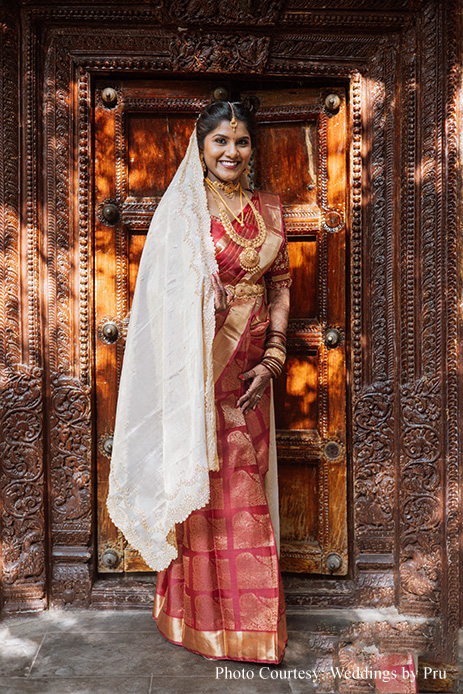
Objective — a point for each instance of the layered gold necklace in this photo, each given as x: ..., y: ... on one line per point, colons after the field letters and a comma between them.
x: 249, y: 258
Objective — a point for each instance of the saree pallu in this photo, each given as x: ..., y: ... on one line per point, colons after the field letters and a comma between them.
x: 222, y: 596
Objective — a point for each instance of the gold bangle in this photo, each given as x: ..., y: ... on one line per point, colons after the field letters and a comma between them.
x: 276, y: 333
x: 273, y: 366
x: 273, y: 373
x: 275, y: 353
x: 277, y: 345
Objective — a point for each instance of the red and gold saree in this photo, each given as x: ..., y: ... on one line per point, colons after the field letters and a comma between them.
x: 222, y: 596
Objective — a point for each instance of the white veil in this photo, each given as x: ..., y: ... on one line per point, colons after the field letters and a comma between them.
x: 165, y: 436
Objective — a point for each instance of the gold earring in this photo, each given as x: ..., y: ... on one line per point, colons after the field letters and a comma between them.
x: 203, y: 163
x: 247, y: 171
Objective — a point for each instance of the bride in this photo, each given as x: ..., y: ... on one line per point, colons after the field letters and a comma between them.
x: 193, y: 473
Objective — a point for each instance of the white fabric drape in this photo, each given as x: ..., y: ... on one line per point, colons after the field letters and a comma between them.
x: 165, y: 435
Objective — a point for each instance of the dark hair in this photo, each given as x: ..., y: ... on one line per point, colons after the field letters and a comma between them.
x: 217, y: 111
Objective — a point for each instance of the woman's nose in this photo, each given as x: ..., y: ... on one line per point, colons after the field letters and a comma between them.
x: 231, y: 150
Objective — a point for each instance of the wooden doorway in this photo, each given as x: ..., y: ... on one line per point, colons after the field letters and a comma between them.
x: 141, y: 133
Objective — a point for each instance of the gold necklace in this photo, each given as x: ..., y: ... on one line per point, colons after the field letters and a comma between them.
x: 241, y: 214
x: 249, y: 258
x: 228, y: 188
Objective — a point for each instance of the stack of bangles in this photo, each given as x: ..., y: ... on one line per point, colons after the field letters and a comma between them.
x: 275, y: 352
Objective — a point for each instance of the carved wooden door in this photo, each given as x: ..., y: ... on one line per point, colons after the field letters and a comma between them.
x: 141, y: 133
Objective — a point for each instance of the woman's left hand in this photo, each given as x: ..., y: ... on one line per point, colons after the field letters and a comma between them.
x: 260, y: 378
x: 223, y: 296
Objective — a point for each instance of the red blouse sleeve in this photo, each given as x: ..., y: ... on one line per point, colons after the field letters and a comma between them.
x: 277, y: 276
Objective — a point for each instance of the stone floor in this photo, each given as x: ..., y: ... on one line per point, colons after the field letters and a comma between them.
x: 121, y: 652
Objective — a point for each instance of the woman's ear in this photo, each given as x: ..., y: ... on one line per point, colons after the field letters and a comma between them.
x: 203, y: 163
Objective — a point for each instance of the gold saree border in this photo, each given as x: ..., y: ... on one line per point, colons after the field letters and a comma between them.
x: 252, y: 646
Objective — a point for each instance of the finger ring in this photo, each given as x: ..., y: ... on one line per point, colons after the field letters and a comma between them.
x: 258, y: 397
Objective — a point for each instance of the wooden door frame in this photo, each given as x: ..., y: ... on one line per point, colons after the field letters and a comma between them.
x: 401, y: 65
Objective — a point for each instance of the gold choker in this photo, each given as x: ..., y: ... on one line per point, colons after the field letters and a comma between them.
x: 229, y: 188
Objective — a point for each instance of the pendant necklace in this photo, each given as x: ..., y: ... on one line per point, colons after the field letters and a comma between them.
x: 249, y: 258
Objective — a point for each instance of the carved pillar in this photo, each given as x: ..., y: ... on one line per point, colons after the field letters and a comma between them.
x: 68, y: 302
x: 21, y: 419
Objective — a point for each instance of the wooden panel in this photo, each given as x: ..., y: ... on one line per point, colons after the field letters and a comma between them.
x: 156, y: 146
x: 290, y: 147
x: 303, y: 258
x: 299, y: 516
x: 297, y: 393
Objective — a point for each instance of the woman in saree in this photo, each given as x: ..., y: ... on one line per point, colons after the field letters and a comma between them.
x: 193, y: 474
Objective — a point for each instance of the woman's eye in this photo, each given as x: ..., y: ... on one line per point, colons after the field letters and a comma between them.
x: 220, y: 141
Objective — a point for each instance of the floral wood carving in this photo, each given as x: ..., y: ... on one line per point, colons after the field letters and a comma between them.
x: 421, y: 499
x: 23, y: 534
x: 71, y: 585
x: 220, y: 53
x: 70, y: 455
x: 222, y: 11
x: 374, y: 464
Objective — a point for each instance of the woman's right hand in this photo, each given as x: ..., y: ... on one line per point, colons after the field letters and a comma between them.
x: 223, y: 296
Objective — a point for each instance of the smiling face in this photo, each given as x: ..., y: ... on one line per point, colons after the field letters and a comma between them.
x: 227, y: 152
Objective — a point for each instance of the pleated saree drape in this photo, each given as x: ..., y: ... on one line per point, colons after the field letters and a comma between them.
x: 222, y: 597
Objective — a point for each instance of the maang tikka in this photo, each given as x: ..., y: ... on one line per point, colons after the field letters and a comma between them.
x: 233, y: 122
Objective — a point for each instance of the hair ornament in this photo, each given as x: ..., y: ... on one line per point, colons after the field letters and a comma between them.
x: 233, y: 122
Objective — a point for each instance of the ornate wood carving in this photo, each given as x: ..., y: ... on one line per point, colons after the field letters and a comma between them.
x: 10, y: 345
x: 422, y: 443
x: 356, y: 232
x: 374, y: 479
x: 408, y: 210
x: 372, y: 21
x: 261, y: 12
x: 71, y: 585
x: 369, y: 5
x: 381, y: 214
x: 70, y: 490
x: 294, y: 47
x: 84, y: 225
x: 421, y: 499
x: 452, y: 530
x: 21, y: 424
x: 23, y: 526
x: 181, y: 13
x: 219, y: 53
x: 404, y: 197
